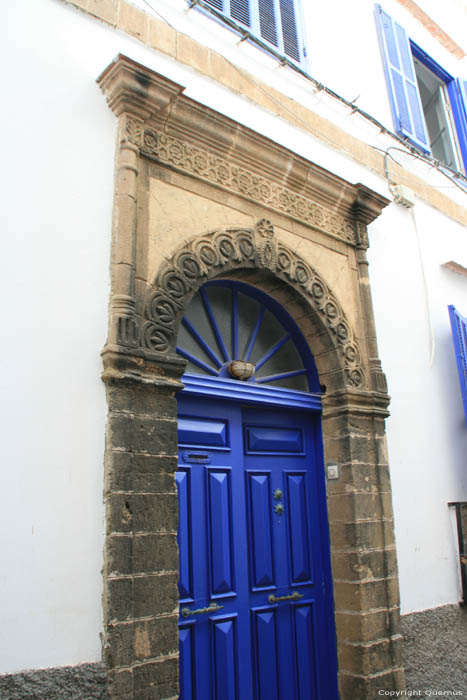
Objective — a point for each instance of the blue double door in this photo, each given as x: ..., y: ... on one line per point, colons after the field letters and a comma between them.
x: 256, y: 620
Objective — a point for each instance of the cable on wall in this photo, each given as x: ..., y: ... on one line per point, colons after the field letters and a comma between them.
x: 453, y: 175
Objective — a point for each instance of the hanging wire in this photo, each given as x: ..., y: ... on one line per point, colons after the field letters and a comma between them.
x: 452, y: 175
x: 426, y: 293
x: 156, y: 12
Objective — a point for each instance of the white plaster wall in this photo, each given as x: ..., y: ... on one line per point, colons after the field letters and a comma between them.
x: 427, y: 436
x: 57, y: 180
x: 56, y: 184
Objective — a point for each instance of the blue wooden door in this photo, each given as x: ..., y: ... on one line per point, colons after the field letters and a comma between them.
x: 256, y: 617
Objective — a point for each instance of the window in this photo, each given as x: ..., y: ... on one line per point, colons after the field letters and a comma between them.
x: 459, y: 337
x: 231, y: 330
x: 277, y: 23
x: 428, y: 104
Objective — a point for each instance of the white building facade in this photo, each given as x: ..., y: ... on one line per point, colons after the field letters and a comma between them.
x: 335, y: 101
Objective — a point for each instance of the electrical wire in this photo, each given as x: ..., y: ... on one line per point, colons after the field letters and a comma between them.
x: 452, y: 175
x: 426, y: 293
x: 158, y: 14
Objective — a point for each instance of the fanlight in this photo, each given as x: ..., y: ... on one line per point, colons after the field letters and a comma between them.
x: 233, y: 331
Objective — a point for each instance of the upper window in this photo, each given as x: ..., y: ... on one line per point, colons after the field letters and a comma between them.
x: 428, y: 104
x: 275, y: 22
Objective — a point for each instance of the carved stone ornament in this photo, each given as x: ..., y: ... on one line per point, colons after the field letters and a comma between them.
x: 219, y: 252
x: 207, y: 166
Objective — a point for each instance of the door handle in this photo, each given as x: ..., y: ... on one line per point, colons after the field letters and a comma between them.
x: 213, y: 606
x: 292, y: 596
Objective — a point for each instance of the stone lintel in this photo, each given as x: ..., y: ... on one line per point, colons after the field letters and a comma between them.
x: 133, y: 88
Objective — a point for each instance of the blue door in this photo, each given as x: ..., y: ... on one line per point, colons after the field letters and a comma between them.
x: 256, y: 620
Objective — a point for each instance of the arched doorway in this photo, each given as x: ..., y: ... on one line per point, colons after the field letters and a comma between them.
x: 256, y: 614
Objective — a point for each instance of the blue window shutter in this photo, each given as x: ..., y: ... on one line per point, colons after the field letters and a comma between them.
x: 401, y: 80
x: 459, y: 336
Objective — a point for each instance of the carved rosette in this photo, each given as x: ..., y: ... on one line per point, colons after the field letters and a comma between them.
x: 221, y: 251
x: 205, y: 165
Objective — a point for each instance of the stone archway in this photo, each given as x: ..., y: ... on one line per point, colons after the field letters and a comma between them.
x: 225, y: 251
x: 141, y: 456
x: 157, y: 142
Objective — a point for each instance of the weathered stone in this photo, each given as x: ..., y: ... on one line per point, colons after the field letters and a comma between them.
x: 119, y: 554
x: 141, y: 434
x: 120, y: 683
x: 371, y: 657
x: 353, y: 507
x: 118, y: 650
x: 119, y: 599
x: 155, y: 595
x: 157, y: 676
x: 142, y: 473
x: 361, y: 535
x: 154, y: 513
x: 364, y: 627
x: 368, y: 564
x: 156, y: 637
x: 366, y: 595
x: 363, y: 478
x: 155, y: 553
x: 140, y: 399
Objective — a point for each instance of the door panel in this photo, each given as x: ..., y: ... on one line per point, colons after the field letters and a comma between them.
x: 254, y: 621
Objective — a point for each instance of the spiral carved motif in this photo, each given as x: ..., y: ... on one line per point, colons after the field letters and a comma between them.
x: 221, y: 251
x: 207, y: 166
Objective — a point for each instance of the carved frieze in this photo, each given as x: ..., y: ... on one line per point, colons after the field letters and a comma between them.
x: 221, y: 251
x: 200, y: 163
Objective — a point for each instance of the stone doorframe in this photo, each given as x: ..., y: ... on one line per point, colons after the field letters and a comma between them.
x: 158, y: 125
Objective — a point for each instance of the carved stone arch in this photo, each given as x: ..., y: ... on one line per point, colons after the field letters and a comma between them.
x: 224, y: 251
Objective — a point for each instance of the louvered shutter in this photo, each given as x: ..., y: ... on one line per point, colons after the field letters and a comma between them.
x: 267, y: 21
x: 401, y: 80
x: 459, y: 336
x: 217, y: 4
x: 276, y: 22
x: 240, y: 10
x: 290, y: 34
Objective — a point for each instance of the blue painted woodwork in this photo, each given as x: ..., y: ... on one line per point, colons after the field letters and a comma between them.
x: 254, y: 525
x: 401, y: 80
x: 196, y: 385
x: 202, y: 431
x: 225, y: 659
x: 457, y: 90
x: 274, y: 342
x: 459, y: 337
x: 398, y: 51
x: 260, y: 439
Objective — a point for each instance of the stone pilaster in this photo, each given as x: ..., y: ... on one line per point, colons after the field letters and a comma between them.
x: 366, y: 589
x: 141, y: 553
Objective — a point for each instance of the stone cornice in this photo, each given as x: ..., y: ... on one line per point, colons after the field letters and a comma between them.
x: 178, y: 131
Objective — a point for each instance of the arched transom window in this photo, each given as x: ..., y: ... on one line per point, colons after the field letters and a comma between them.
x: 231, y: 330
